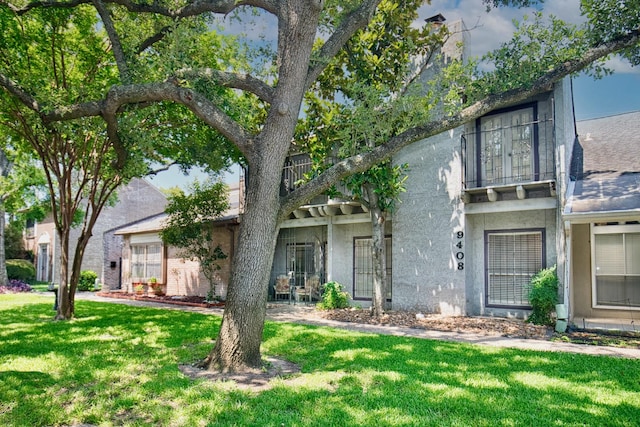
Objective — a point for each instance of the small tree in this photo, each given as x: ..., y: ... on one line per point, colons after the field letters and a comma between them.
x: 543, y: 296
x: 190, y: 226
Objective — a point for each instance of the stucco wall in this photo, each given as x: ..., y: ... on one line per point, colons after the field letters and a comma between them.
x: 476, y: 227
x: 342, y: 256
x: 425, y: 269
x: 338, y: 250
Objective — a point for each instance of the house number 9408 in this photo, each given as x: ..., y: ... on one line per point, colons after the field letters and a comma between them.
x: 460, y: 253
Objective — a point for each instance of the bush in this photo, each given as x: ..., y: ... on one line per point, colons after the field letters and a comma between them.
x: 14, y: 286
x: 333, y: 297
x: 543, y: 296
x: 87, y: 280
x: 20, y: 269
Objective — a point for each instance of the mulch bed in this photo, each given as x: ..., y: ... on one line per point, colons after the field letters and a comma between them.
x: 513, y: 328
x: 193, y: 301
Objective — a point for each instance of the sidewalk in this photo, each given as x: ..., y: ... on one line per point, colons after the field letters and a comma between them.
x: 304, y: 314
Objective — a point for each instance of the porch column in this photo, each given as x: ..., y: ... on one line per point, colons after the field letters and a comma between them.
x: 329, y: 275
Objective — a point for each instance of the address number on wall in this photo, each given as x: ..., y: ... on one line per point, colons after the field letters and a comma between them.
x: 460, y: 253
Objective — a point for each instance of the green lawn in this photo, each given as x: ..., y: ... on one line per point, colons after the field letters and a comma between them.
x: 118, y: 365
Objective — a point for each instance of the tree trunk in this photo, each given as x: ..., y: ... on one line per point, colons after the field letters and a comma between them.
x: 378, y: 253
x: 238, y: 345
x: 5, y: 170
x: 65, y: 304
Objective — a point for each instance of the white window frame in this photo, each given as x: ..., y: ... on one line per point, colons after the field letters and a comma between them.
x: 601, y: 230
x: 146, y: 240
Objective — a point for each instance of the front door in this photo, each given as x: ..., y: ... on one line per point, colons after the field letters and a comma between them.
x: 43, y: 263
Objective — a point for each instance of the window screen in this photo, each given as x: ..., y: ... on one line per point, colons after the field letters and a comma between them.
x: 617, y: 268
x: 512, y: 259
x: 146, y: 261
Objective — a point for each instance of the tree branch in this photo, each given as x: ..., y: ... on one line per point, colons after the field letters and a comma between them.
x: 150, y: 41
x: 354, y: 21
x: 362, y: 162
x: 191, y: 9
x: 14, y: 89
x: 120, y: 96
x: 118, y: 52
x: 244, y: 82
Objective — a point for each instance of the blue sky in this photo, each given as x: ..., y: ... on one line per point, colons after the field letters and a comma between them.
x: 611, y: 95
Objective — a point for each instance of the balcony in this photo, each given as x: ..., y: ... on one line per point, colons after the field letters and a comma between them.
x: 508, y: 162
x: 294, y: 171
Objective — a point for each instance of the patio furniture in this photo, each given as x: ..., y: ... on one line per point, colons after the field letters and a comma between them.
x: 311, y: 289
x: 282, y: 287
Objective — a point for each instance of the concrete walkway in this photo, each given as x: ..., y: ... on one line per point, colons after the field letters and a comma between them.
x: 305, y: 315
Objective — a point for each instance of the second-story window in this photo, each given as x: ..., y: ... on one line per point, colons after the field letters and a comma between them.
x: 506, y: 147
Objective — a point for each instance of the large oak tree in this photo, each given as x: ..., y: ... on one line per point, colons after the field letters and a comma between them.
x: 522, y: 71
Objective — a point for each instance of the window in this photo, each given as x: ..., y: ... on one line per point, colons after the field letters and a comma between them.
x: 30, y: 229
x: 506, y: 147
x: 146, y: 260
x: 363, y: 268
x: 616, y: 266
x: 512, y: 258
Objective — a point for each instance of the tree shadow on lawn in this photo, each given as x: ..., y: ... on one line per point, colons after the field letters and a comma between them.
x: 120, y: 364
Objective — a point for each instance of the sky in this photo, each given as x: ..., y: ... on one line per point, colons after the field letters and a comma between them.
x: 615, y: 94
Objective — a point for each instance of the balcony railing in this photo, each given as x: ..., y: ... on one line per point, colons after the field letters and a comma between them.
x: 294, y: 170
x: 508, y: 156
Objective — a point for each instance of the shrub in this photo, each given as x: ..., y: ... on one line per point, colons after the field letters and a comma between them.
x: 14, y: 286
x: 333, y: 297
x: 87, y: 280
x: 20, y: 269
x: 543, y: 296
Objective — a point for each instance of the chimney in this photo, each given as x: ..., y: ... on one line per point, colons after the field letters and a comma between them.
x: 436, y: 20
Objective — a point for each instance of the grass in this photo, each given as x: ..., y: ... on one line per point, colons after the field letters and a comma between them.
x: 118, y: 365
x: 40, y: 286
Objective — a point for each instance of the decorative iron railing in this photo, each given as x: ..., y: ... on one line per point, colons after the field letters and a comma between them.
x: 508, y: 155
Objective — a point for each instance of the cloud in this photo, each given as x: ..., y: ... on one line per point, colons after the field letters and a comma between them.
x: 487, y: 31
x: 619, y: 65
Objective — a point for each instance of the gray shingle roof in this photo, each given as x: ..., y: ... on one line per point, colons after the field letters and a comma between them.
x: 606, y: 165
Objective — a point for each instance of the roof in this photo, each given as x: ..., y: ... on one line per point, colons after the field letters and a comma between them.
x: 154, y: 224
x: 147, y: 225
x: 605, y: 167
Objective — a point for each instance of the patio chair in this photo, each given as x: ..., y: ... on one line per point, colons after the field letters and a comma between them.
x: 282, y: 287
x: 311, y: 289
